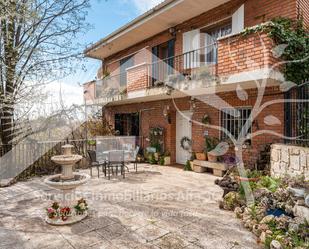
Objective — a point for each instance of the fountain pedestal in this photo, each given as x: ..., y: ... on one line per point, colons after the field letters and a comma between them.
x: 67, y: 182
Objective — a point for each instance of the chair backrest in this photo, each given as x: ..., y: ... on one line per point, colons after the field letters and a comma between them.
x: 92, y: 155
x: 116, y: 156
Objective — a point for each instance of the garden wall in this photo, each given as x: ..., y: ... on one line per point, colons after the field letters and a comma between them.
x: 289, y: 160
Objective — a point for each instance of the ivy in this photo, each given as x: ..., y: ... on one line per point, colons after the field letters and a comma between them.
x: 292, y: 46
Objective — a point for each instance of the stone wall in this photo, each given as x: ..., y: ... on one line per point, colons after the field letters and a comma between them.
x: 289, y: 160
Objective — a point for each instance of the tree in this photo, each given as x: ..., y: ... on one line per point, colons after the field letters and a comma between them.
x: 37, y: 45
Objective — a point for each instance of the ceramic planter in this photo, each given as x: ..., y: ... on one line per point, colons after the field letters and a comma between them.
x: 211, y: 157
x: 200, y: 156
x: 167, y: 160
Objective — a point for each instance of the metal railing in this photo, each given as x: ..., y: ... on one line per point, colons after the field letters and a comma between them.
x: 186, y: 64
x: 34, y: 157
x: 111, y: 85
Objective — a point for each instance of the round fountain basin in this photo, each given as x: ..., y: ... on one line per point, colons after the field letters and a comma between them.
x: 57, y: 182
x: 66, y: 159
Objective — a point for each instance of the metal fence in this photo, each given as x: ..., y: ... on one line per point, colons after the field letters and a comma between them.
x: 34, y: 157
x: 297, y: 115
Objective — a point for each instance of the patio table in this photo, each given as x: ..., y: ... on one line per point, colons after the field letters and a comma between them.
x: 103, y: 157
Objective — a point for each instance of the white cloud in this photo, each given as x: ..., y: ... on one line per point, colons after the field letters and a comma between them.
x: 144, y: 5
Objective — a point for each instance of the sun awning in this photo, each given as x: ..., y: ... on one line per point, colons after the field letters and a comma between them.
x: 162, y: 17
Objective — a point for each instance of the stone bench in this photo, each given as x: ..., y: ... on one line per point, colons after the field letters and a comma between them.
x: 218, y: 168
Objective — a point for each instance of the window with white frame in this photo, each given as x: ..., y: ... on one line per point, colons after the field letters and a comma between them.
x: 211, y: 37
x: 234, y: 120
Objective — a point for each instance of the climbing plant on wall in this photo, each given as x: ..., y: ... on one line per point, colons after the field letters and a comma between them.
x: 292, y: 46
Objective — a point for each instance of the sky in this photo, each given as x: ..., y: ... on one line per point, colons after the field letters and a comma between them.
x: 105, y: 16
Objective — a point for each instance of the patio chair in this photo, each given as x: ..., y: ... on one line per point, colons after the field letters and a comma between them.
x: 115, y: 160
x: 135, y: 153
x: 94, y: 163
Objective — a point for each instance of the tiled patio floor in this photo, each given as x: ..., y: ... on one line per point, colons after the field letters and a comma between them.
x: 158, y: 207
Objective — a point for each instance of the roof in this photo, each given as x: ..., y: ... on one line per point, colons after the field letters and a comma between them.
x: 167, y: 14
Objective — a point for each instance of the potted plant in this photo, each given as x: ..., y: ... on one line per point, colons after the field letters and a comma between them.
x: 192, y: 158
x: 167, y: 158
x: 210, y: 144
x: 206, y: 119
x: 201, y: 156
x: 81, y: 207
x: 187, y: 166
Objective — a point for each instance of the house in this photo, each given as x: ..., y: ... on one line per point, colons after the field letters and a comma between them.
x: 185, y: 61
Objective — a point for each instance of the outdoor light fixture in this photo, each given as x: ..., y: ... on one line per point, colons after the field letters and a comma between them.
x: 172, y: 31
x: 192, y: 104
x: 167, y: 114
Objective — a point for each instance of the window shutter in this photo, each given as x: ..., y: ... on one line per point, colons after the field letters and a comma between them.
x: 155, y: 54
x: 171, y: 54
x: 238, y: 20
x: 191, y: 44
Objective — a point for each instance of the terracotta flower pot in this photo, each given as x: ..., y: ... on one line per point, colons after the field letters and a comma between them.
x: 200, y: 156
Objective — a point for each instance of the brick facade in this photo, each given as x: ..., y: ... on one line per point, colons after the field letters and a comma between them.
x: 236, y: 54
x: 151, y: 114
x: 256, y: 12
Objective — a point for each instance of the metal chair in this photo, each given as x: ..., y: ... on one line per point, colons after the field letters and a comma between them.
x: 115, y: 160
x: 94, y: 163
x: 135, y: 153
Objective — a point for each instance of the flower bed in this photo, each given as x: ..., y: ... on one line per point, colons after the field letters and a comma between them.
x: 272, y: 217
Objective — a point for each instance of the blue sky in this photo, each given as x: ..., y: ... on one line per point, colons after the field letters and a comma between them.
x: 105, y: 16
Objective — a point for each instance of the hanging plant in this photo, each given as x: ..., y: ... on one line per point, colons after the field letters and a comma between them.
x: 206, y: 119
x: 186, y: 143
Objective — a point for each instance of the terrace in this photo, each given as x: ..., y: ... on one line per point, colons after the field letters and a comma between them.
x: 148, y: 209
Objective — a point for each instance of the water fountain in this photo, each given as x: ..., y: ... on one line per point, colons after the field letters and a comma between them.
x: 67, y: 182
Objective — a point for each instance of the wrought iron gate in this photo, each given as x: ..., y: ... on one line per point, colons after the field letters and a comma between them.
x: 297, y: 115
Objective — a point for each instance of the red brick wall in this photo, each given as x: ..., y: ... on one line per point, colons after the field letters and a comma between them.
x: 259, y: 11
x: 137, y: 77
x: 152, y: 116
x: 238, y: 54
x: 256, y: 11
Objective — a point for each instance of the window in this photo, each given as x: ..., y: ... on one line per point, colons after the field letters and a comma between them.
x: 211, y: 37
x: 124, y: 64
x: 163, y: 60
x: 127, y: 124
x: 234, y: 120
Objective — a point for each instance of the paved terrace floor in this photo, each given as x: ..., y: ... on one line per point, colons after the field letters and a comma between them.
x: 158, y: 207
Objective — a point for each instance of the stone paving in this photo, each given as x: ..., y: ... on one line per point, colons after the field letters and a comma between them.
x: 158, y: 207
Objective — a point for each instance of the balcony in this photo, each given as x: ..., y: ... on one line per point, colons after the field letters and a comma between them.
x: 221, y: 66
